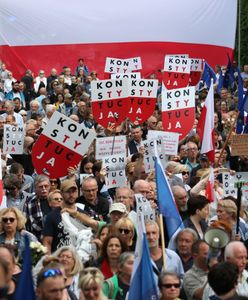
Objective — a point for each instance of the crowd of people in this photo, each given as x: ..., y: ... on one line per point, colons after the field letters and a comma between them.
x: 89, y: 232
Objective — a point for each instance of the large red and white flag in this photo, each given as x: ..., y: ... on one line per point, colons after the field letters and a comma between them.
x: 45, y: 34
x: 205, y: 127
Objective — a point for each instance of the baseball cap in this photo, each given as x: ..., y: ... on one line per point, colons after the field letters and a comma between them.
x: 67, y: 184
x: 118, y: 207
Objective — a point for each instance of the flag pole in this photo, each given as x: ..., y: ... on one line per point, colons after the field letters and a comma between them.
x: 227, y: 139
x: 161, y: 222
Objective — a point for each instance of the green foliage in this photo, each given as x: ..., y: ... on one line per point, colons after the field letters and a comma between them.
x: 243, y: 34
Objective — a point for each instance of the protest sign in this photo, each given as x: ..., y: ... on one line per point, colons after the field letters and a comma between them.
x: 143, y: 97
x: 115, y: 171
x: 178, y: 110
x: 196, y: 68
x: 169, y: 140
x: 61, y: 144
x: 110, y: 103
x: 229, y: 182
x: 134, y: 75
x: 143, y: 206
x: 176, y: 72
x: 149, y: 153
x: 111, y: 146
x: 239, y: 144
x: 13, y: 139
x: 118, y: 65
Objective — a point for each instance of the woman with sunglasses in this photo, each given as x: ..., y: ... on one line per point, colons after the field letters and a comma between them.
x: 91, y: 284
x: 117, y: 286
x: 169, y: 285
x: 54, y: 184
x: 126, y: 229
x: 183, y: 172
x: 12, y: 224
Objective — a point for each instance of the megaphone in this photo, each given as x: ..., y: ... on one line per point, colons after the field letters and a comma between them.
x: 216, y: 238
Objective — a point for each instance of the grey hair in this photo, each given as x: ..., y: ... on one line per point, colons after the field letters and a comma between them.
x: 231, y: 247
x: 124, y: 257
x: 40, y: 178
x: 188, y: 230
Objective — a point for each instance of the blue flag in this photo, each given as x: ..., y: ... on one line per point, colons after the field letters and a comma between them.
x: 241, y: 127
x: 208, y: 74
x: 220, y: 83
x: 229, y: 77
x: 166, y: 203
x: 143, y: 284
x: 25, y: 287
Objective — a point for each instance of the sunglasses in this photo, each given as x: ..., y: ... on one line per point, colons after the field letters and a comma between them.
x: 170, y: 285
x: 8, y: 220
x: 51, y: 273
x: 53, y: 181
x: 124, y: 230
x: 185, y: 173
x: 57, y: 199
x: 91, y: 271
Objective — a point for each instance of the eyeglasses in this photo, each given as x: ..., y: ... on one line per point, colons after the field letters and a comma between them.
x: 57, y: 199
x: 8, y: 220
x: 124, y: 230
x: 65, y: 257
x: 23, y: 115
x: 170, y: 285
x: 185, y: 173
x: 51, y: 273
x: 192, y: 149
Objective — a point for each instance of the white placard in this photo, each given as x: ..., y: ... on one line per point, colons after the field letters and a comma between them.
x: 115, y: 171
x: 149, y: 155
x: 134, y: 75
x: 170, y: 140
x: 196, y: 65
x: 143, y: 206
x: 13, y: 139
x: 119, y: 65
x: 109, y: 89
x: 177, y: 64
x: 178, y: 98
x: 146, y: 88
x: 230, y: 180
x: 69, y: 133
x: 104, y: 146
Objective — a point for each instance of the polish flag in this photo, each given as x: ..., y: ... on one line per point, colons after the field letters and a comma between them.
x: 205, y: 127
x: 45, y: 34
x: 210, y: 194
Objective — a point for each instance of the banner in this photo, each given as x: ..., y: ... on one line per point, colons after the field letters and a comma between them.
x: 111, y: 146
x: 110, y: 103
x: 178, y: 110
x: 61, y: 144
x: 229, y: 182
x: 118, y: 65
x: 115, y: 171
x: 176, y: 72
x: 13, y: 139
x: 143, y: 98
x: 34, y: 41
